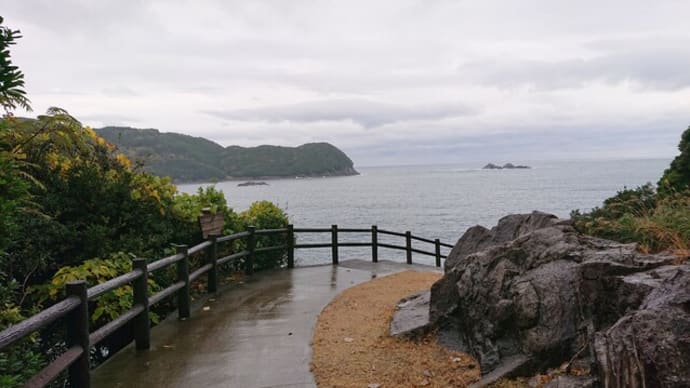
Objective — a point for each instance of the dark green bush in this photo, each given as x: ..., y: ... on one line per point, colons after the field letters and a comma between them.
x: 613, y: 219
x: 655, y: 219
x: 677, y: 177
x: 24, y: 359
x: 266, y: 215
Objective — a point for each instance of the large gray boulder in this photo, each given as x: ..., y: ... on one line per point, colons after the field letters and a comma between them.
x: 509, y: 228
x: 533, y: 293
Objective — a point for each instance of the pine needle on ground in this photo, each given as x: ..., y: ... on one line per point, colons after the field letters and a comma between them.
x: 351, y: 346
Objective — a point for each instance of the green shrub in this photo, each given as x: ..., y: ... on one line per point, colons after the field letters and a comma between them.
x: 266, y: 215
x: 23, y: 360
x: 656, y: 222
x: 14, y: 192
x: 613, y: 219
x: 677, y: 177
x: 668, y: 226
x: 188, y: 208
x: 95, y: 271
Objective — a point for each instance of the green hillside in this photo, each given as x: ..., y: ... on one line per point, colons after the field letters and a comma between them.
x: 188, y: 158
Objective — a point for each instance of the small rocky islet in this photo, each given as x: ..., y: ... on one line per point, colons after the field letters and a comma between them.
x: 507, y: 166
x: 252, y: 183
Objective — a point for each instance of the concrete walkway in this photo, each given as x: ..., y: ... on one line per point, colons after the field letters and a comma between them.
x: 256, y: 334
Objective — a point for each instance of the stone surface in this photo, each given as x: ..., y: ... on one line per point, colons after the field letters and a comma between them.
x: 571, y: 382
x: 411, y: 316
x: 651, y: 344
x: 509, y: 228
x: 532, y: 288
x: 510, y: 367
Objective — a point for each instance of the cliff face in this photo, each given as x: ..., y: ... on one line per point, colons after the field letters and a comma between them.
x: 187, y: 158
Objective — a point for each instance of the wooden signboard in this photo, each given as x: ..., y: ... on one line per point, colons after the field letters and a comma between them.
x: 211, y: 224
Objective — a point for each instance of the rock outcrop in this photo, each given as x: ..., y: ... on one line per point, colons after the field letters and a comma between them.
x: 411, y: 315
x: 507, y: 166
x: 252, y: 183
x: 533, y: 293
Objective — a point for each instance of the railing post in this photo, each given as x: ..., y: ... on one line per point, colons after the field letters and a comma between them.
x: 408, y: 245
x: 374, y: 243
x: 212, y: 258
x: 334, y: 243
x: 183, y: 298
x: 438, y: 252
x: 290, y: 246
x: 78, y: 335
x: 251, y: 246
x: 142, y: 326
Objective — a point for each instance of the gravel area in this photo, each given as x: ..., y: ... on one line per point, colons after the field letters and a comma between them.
x: 351, y: 346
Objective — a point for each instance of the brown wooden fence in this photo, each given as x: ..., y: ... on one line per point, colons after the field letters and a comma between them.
x: 74, y: 308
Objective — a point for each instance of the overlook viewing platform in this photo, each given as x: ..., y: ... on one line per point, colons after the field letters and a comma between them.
x: 252, y: 333
x: 256, y: 334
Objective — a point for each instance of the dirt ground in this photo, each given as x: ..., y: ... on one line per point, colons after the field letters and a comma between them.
x: 351, y: 346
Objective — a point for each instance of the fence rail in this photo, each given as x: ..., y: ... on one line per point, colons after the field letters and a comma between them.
x: 74, y: 309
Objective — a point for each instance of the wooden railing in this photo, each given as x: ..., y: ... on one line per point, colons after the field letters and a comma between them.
x: 74, y: 308
x: 374, y: 243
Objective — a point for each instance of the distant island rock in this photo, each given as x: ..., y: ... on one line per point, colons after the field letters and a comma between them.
x: 507, y: 166
x: 252, y: 183
x: 186, y: 158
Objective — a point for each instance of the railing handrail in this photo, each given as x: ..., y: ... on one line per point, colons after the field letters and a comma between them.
x: 74, y: 308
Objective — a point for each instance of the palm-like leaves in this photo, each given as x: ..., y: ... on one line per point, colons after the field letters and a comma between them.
x: 12, y: 93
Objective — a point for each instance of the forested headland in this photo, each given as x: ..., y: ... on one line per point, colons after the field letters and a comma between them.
x: 186, y: 158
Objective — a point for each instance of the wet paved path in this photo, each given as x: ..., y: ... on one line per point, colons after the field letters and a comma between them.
x: 256, y: 334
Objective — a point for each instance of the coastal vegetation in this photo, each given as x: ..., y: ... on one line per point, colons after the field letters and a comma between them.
x: 186, y: 158
x: 656, y: 217
x: 73, y: 207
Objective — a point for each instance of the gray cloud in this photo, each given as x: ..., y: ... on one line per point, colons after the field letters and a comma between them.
x: 439, y: 80
x: 650, y: 67
x: 119, y: 91
x: 109, y: 119
x: 366, y: 113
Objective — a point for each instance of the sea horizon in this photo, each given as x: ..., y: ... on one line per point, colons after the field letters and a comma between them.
x: 442, y: 200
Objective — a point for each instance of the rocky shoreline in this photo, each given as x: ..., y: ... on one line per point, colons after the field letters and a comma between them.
x: 533, y: 294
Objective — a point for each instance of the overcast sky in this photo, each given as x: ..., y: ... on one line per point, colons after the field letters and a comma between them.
x: 389, y: 82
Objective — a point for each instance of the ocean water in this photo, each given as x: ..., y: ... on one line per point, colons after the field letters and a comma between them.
x: 437, y: 201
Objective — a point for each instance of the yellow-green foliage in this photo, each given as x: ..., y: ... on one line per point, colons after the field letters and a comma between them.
x: 657, y: 220
x: 662, y: 224
x: 90, y: 202
x: 188, y: 207
x: 266, y: 215
x: 95, y: 271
